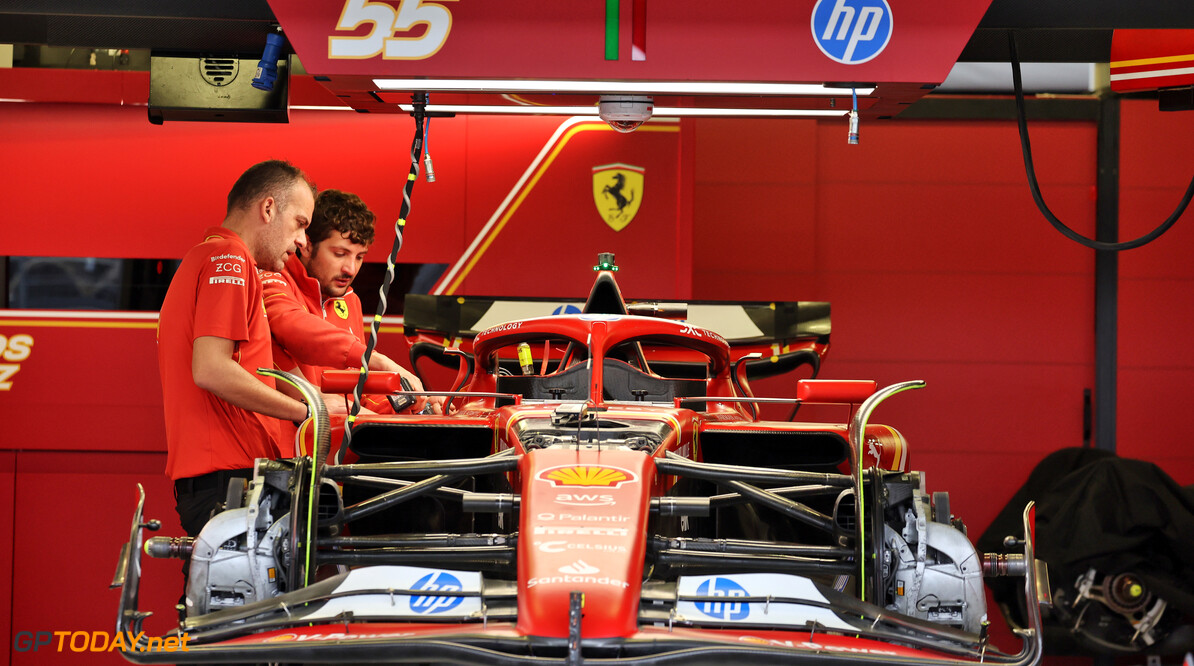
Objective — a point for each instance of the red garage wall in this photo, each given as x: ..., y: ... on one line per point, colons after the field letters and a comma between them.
x: 924, y: 238
x: 1156, y: 290
x: 926, y: 241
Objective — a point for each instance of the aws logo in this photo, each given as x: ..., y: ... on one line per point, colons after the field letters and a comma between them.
x: 588, y: 476
x: 414, y: 30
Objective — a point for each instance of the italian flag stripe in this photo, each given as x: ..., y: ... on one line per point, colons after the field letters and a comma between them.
x: 611, y: 29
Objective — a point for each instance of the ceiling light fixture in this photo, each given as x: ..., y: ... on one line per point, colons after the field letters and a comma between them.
x: 660, y: 111
x: 628, y: 87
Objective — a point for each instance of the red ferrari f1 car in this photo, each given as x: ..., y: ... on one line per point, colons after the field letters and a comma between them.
x: 602, y: 490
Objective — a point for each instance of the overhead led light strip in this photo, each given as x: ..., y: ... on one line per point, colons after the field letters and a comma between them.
x: 660, y: 111
x: 627, y: 87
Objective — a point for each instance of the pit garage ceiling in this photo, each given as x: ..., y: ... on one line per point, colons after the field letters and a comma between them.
x: 1048, y: 31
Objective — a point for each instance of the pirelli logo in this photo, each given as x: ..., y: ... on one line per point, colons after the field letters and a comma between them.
x: 225, y: 279
x: 588, y: 476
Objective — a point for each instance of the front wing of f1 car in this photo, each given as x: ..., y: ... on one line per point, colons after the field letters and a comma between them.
x: 408, y: 614
x: 592, y: 507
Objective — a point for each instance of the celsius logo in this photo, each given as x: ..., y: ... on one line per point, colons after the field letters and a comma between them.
x: 439, y: 581
x: 851, y: 31
x: 722, y: 610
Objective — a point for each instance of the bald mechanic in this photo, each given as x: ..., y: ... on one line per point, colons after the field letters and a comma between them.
x: 315, y: 317
x: 213, y: 335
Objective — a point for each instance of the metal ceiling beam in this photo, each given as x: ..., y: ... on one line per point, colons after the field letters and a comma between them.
x: 1067, y: 30
x: 226, y: 26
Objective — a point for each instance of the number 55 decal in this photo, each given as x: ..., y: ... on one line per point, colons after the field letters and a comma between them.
x: 386, y: 23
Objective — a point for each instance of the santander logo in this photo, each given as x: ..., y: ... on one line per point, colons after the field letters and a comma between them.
x: 579, y: 567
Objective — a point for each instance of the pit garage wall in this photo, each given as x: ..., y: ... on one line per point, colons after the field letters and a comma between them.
x: 939, y: 267
x: 923, y: 237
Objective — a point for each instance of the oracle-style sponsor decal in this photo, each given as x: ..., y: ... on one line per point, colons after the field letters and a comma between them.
x: 509, y: 326
x: 587, y: 476
x: 402, y: 30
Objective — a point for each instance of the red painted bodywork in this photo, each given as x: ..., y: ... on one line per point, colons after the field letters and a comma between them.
x: 584, y: 518
x: 1151, y: 59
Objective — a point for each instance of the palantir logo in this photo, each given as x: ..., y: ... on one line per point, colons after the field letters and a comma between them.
x: 852, y: 31
x: 722, y: 610
x: 438, y: 581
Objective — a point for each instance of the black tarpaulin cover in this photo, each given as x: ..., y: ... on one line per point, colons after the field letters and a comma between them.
x: 1097, y: 510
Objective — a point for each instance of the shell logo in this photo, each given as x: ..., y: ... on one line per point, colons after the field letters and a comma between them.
x: 600, y: 476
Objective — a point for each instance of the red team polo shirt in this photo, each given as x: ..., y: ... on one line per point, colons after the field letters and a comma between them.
x: 214, y: 292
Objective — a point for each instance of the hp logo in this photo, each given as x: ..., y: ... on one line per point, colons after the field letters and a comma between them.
x: 722, y: 610
x: 566, y: 309
x: 851, y: 31
x: 439, y: 581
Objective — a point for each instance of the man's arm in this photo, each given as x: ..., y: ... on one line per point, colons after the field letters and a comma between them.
x: 214, y: 370
x: 306, y: 336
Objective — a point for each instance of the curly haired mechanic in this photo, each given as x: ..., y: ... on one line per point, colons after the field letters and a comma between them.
x: 314, y: 316
x: 213, y: 335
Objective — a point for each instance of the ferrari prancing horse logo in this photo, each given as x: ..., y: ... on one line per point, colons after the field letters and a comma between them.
x: 341, y: 309
x: 618, y: 193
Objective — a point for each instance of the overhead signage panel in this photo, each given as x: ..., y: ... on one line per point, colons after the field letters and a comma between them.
x: 664, y: 40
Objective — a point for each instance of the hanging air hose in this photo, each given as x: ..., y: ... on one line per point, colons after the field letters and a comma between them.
x: 1069, y: 233
x: 420, y: 115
